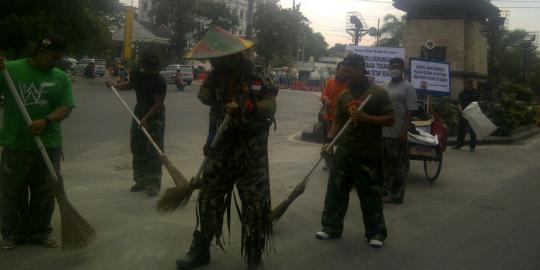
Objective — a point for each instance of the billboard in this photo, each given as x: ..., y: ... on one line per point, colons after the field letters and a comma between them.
x: 430, y: 77
x: 377, y: 59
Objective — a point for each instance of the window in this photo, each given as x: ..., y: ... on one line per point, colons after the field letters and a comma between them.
x: 145, y: 6
x: 242, y: 14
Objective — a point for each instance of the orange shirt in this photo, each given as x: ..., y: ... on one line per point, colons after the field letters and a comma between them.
x: 330, y: 94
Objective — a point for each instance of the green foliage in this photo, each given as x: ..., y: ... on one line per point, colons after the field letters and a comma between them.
x: 279, y: 33
x: 338, y: 50
x: 511, y: 107
x: 185, y: 15
x: 447, y: 110
x: 392, y: 31
x: 83, y: 23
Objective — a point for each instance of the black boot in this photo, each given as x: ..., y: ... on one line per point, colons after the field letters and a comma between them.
x: 253, y: 253
x: 199, y: 253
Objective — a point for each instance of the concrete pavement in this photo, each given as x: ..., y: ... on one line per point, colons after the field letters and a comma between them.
x: 482, y: 213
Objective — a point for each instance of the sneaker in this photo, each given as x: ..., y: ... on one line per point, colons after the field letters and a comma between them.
x: 324, y: 236
x: 374, y: 243
x: 472, y: 150
x: 48, y: 242
x: 152, y: 191
x: 8, y: 244
x: 456, y: 147
x: 137, y: 188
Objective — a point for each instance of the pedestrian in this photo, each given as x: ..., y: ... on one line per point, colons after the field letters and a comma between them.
x: 358, y: 158
x: 247, y: 94
x: 396, y: 153
x: 150, y: 90
x: 179, y: 80
x: 26, y: 189
x: 466, y: 97
x: 329, y: 96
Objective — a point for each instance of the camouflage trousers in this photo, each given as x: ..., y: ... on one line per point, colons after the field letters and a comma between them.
x: 365, y: 174
x: 26, y: 193
x: 395, y: 167
x: 242, y: 162
x: 146, y: 163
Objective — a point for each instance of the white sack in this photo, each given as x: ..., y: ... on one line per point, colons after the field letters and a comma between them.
x: 478, y: 121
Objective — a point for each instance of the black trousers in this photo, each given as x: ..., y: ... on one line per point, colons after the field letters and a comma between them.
x: 463, y: 127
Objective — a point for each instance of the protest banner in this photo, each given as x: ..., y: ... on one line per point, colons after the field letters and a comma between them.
x: 430, y: 77
x: 377, y: 59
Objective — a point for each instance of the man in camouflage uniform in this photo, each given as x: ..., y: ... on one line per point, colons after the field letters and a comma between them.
x: 150, y: 88
x: 358, y: 160
x: 26, y: 190
x: 247, y: 94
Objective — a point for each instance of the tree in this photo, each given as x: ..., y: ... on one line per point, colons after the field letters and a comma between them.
x: 392, y: 30
x: 185, y: 17
x: 280, y: 32
x: 83, y: 23
x: 338, y: 50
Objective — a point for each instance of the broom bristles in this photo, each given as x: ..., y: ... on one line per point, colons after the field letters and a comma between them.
x: 280, y: 210
x: 178, y: 178
x: 174, y: 198
x: 76, y: 232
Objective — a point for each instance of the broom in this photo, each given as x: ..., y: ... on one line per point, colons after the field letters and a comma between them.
x: 177, y: 177
x: 76, y: 232
x: 177, y: 197
x: 280, y: 210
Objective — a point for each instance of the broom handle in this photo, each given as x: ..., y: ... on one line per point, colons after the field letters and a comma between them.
x: 138, y: 121
x: 219, y: 132
x: 28, y: 120
x: 341, y: 131
x: 348, y: 123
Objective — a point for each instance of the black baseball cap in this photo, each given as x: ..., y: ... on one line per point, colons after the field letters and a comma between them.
x: 53, y: 42
x: 354, y: 60
x: 398, y: 61
x: 150, y: 59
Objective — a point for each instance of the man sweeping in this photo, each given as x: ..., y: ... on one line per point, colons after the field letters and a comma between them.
x: 150, y: 89
x: 245, y: 93
x: 26, y: 193
x: 358, y: 158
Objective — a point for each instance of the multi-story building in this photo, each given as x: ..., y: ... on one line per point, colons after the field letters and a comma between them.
x: 238, y: 8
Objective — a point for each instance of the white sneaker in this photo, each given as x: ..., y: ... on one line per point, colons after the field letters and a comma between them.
x: 322, y: 235
x: 374, y: 243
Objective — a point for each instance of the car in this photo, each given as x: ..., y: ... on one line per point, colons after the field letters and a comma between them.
x: 170, y: 70
x: 100, y: 66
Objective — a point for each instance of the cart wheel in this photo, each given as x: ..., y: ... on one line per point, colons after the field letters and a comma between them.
x: 432, y: 169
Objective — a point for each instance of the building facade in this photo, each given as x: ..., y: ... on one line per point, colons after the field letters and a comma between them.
x: 455, y: 32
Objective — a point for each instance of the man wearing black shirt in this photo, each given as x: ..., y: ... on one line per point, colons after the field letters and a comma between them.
x: 466, y: 97
x: 150, y: 89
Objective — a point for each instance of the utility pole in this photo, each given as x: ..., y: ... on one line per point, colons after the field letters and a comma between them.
x: 249, y: 26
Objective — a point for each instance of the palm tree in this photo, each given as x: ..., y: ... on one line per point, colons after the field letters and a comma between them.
x: 391, y: 32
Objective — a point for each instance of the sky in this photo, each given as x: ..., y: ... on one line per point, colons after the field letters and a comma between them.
x: 329, y: 16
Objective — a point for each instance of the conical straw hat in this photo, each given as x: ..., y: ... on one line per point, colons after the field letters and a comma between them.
x: 217, y: 42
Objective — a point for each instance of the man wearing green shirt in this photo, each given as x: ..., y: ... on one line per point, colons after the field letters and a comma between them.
x: 26, y: 195
x: 358, y: 158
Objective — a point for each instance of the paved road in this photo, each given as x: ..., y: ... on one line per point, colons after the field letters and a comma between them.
x: 482, y: 213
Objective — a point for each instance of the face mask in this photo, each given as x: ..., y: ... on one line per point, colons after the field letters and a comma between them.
x: 395, y: 73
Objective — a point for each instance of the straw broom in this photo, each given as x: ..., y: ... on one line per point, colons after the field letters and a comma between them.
x: 178, y: 197
x: 76, y: 232
x: 280, y: 210
x: 177, y: 177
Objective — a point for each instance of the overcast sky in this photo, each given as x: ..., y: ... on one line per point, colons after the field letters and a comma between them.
x: 329, y: 16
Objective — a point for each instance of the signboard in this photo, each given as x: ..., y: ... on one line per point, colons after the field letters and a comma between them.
x: 377, y: 59
x: 431, y: 77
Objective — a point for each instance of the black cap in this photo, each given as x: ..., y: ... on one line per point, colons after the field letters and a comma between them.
x: 150, y: 59
x: 53, y: 42
x: 354, y: 60
x: 397, y: 61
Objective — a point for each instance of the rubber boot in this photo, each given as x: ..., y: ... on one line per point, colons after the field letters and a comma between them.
x: 198, y: 254
x: 253, y: 253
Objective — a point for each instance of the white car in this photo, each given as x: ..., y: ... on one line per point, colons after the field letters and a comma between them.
x: 81, y: 65
x: 170, y: 70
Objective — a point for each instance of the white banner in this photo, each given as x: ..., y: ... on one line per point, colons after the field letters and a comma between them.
x: 430, y: 77
x: 377, y: 59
